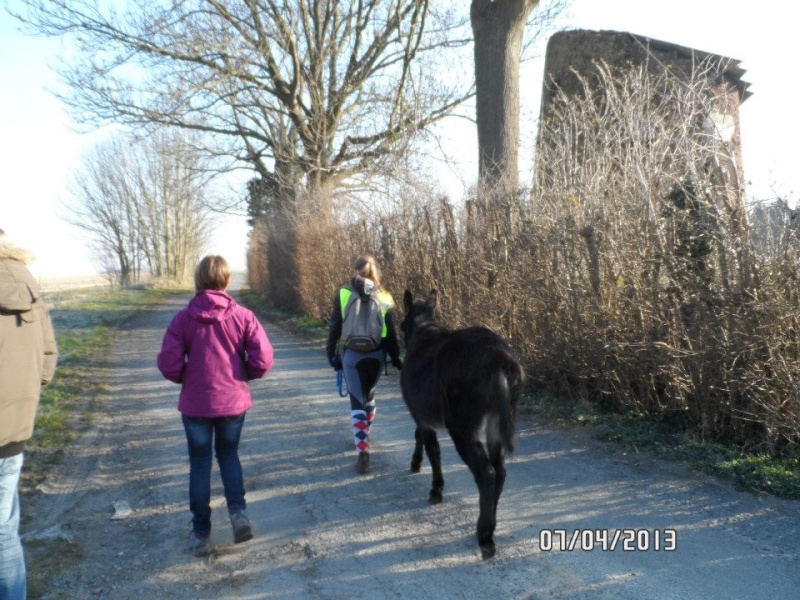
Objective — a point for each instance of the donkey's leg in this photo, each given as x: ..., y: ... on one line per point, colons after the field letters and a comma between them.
x: 474, y: 456
x: 497, y: 458
x: 416, y: 458
x: 431, y: 443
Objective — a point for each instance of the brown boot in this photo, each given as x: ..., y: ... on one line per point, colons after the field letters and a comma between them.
x: 362, y: 464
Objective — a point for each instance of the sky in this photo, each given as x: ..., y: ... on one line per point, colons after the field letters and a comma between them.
x: 41, y: 148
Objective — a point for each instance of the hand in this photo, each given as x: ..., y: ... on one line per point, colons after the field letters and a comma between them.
x: 336, y: 362
x: 397, y: 363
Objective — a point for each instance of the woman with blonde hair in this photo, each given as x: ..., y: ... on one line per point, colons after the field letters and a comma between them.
x: 213, y: 347
x: 362, y: 366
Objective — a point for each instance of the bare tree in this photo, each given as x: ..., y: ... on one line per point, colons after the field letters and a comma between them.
x: 103, y: 203
x: 330, y: 88
x: 143, y: 202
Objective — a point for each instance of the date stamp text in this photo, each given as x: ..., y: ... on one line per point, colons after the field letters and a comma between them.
x: 608, y: 540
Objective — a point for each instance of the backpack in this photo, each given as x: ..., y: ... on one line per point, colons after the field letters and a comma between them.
x: 362, y: 322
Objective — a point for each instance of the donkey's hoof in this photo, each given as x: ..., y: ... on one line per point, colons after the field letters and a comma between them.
x: 416, y: 465
x: 435, y: 497
x: 487, y: 549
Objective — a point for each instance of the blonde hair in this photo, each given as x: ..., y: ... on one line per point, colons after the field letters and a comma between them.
x: 365, y: 266
x: 213, y: 273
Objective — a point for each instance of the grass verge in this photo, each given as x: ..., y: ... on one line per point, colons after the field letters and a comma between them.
x: 758, y: 473
x: 84, y: 322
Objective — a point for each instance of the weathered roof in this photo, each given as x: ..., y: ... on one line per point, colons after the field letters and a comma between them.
x: 731, y: 68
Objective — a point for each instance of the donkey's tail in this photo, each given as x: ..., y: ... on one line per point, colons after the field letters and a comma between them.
x: 509, y: 382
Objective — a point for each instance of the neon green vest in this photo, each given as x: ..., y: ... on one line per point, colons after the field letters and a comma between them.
x: 385, y: 298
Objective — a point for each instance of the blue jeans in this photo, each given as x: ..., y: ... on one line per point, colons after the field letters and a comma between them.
x: 225, y: 432
x: 12, y: 561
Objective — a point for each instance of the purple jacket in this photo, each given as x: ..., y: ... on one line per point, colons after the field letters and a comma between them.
x: 213, y: 347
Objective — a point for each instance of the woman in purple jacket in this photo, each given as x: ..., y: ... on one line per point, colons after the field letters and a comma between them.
x: 212, y: 348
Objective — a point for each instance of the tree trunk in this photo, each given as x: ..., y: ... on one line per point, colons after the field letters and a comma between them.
x: 498, y: 27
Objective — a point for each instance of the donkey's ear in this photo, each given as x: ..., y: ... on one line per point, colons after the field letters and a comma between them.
x: 408, y: 301
x: 433, y: 299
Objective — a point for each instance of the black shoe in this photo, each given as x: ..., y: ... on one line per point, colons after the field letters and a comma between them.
x: 362, y: 464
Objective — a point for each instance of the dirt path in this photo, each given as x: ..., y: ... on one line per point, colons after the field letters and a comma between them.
x: 324, y: 532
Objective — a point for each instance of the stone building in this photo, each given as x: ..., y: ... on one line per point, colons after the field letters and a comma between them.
x: 579, y: 51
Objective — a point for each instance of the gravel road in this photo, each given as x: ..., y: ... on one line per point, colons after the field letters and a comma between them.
x: 322, y: 531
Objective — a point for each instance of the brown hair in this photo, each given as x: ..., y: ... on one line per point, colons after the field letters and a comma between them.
x: 366, y: 267
x: 213, y: 273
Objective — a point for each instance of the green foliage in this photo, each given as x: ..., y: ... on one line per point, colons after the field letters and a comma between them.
x: 311, y: 323
x: 778, y: 476
x: 261, y: 199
